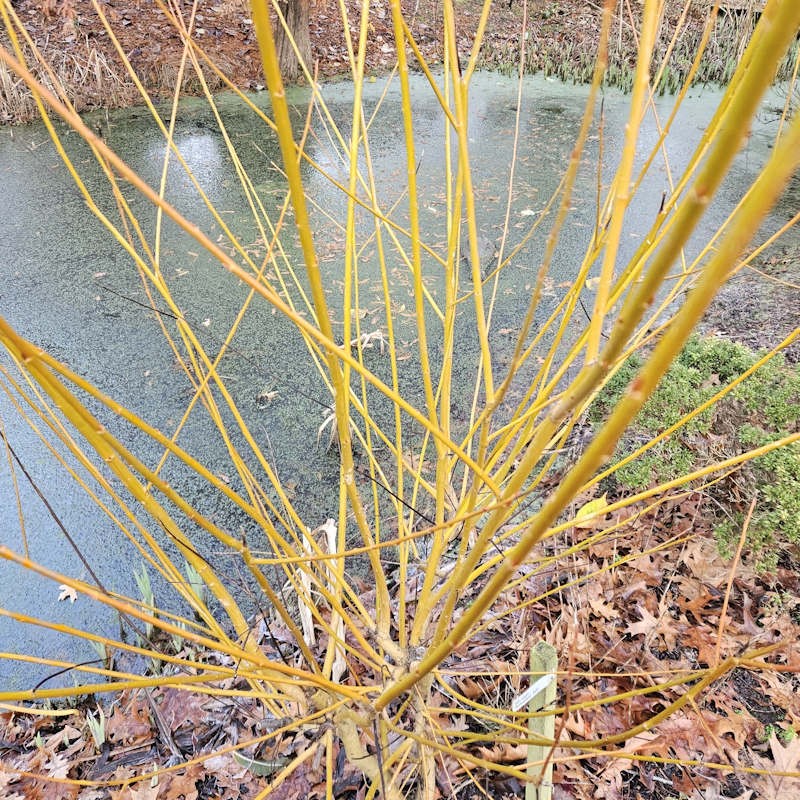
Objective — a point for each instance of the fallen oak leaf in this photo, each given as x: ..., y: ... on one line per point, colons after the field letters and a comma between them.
x: 651, y: 626
x: 129, y: 726
x: 599, y: 601
x: 645, y: 626
x: 140, y: 792
x: 183, y: 785
x: 786, y: 756
x: 57, y: 766
x: 785, y: 760
x: 504, y: 753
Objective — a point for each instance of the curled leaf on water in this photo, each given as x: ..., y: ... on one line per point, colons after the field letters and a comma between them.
x: 66, y: 593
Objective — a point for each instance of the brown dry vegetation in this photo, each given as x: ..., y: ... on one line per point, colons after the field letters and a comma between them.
x: 561, y: 39
x: 648, y: 617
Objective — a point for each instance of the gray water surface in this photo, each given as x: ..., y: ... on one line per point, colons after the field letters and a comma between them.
x: 69, y: 288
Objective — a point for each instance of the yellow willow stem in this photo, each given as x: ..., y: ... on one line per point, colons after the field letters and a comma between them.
x: 517, y: 361
x: 442, y: 460
x: 154, y: 276
x: 444, y: 383
x: 96, y: 688
x: 169, y: 445
x: 753, y: 76
x: 461, y: 99
x: 173, y: 118
x: 350, y: 248
x: 771, y: 39
x: 688, y: 697
x: 477, y: 41
x: 271, y: 790
x: 792, y: 89
x: 675, y: 483
x: 218, y: 253
x: 280, y: 109
x: 413, y: 212
x: 253, y: 200
x: 676, y: 37
x: 192, y: 679
x: 397, y: 445
x: 12, y: 471
x: 423, y: 64
x: 159, y: 561
x: 234, y: 544
x: 771, y: 182
x: 542, y: 565
x: 125, y: 465
x: 122, y: 463
x: 274, y: 671
x: 708, y: 134
x: 531, y: 348
x: 691, y: 693
x: 112, y: 644
x: 339, y: 380
x: 696, y: 412
x: 622, y: 179
x: 504, y: 717
x: 455, y: 196
x: 351, y: 287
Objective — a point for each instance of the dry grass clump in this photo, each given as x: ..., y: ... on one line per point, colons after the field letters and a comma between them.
x: 85, y: 76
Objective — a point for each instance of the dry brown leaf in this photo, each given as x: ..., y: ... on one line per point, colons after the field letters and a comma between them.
x: 58, y: 766
x: 786, y: 756
x: 599, y: 601
x: 504, y: 753
x: 183, y: 786
x: 131, y: 725
x: 738, y: 726
x: 696, y: 598
x: 139, y: 791
x: 702, y: 640
x: 705, y: 563
x: 650, y: 626
x: 182, y: 708
x: 784, y: 759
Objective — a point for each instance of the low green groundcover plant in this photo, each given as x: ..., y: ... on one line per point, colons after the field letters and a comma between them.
x: 764, y: 407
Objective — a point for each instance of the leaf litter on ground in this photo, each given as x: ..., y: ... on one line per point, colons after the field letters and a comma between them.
x: 627, y: 612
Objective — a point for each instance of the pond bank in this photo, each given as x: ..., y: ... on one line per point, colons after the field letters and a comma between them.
x: 560, y: 41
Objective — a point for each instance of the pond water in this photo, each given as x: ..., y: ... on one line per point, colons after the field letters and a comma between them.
x: 69, y: 288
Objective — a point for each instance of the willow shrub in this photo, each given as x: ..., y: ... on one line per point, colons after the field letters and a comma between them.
x: 437, y: 510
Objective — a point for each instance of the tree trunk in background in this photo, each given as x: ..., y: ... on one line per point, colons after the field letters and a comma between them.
x: 296, y: 13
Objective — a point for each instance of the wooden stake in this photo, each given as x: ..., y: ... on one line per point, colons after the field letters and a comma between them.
x: 544, y: 662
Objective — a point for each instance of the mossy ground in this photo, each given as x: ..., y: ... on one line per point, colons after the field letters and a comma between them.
x: 763, y: 408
